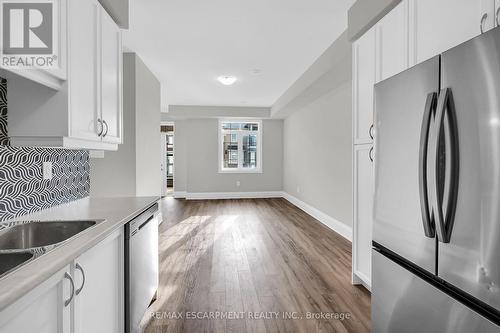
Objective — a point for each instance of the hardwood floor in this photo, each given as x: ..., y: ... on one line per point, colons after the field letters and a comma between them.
x: 264, y: 258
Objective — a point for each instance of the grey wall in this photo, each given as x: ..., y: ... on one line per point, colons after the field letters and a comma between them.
x: 196, y: 111
x: 115, y: 173
x: 317, y: 138
x: 196, y: 159
x: 147, y: 119
x: 135, y: 168
x: 363, y: 14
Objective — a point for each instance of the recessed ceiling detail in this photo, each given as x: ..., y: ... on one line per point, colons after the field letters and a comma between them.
x: 266, y: 44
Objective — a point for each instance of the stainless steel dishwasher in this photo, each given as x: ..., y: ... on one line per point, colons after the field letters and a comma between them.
x: 141, y: 266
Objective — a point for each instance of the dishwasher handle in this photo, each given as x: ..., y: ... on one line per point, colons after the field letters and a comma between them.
x: 147, y: 221
x: 140, y: 221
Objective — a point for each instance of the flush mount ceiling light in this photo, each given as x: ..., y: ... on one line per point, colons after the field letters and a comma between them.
x: 226, y: 80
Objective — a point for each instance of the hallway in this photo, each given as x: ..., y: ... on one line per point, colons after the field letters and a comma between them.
x: 257, y: 265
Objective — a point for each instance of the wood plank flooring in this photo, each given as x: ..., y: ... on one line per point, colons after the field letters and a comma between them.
x: 245, y: 265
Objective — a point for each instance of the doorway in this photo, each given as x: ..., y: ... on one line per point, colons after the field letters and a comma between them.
x: 167, y: 159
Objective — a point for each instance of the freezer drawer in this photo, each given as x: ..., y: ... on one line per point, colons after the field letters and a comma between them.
x: 403, y: 302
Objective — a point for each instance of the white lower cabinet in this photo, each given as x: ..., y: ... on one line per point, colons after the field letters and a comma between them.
x: 95, y: 302
x: 362, y: 214
x: 42, y: 310
x: 98, y: 305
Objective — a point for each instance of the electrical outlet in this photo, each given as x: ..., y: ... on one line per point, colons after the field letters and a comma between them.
x: 47, y: 170
x: 238, y: 183
x: 298, y: 189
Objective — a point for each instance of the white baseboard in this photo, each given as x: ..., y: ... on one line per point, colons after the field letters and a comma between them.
x: 233, y: 195
x: 337, y: 226
x: 179, y: 194
x: 359, y: 278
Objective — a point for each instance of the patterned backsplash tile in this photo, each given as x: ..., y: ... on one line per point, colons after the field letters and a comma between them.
x: 4, y: 139
x: 22, y: 187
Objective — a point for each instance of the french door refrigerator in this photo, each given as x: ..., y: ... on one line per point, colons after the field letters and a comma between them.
x: 436, y: 236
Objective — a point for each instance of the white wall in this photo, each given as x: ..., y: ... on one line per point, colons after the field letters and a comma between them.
x: 196, y: 159
x: 317, y: 139
x: 133, y: 170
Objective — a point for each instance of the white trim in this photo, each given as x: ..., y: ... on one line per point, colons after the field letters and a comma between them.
x: 179, y: 194
x: 233, y: 195
x: 337, y: 226
x: 359, y: 278
x: 240, y: 169
x: 60, y: 142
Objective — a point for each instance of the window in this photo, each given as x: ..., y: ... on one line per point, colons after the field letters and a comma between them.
x: 240, y: 145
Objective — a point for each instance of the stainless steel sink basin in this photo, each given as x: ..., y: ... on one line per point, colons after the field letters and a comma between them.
x: 38, y: 234
x: 9, y: 261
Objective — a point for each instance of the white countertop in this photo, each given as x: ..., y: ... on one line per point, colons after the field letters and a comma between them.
x: 116, y: 212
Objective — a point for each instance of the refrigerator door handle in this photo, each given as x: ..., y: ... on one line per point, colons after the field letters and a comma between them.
x: 430, y: 106
x: 446, y: 165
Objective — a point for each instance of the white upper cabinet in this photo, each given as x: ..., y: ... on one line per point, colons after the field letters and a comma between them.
x: 86, y: 112
x: 54, y: 77
x: 83, y: 85
x: 111, y: 79
x: 391, y: 35
x: 363, y: 79
x: 380, y: 53
x: 440, y: 25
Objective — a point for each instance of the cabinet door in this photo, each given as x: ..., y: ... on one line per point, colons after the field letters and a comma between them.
x: 42, y: 310
x: 83, y: 85
x: 99, y: 283
x: 111, y: 79
x: 497, y: 13
x: 362, y: 215
x: 392, y: 42
x: 363, y: 80
x: 439, y: 25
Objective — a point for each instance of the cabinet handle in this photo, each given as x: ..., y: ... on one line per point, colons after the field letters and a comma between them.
x: 370, y: 154
x: 80, y: 268
x: 497, y: 16
x: 72, y: 284
x: 483, y: 19
x: 105, y: 123
x: 99, y: 121
x: 370, y: 132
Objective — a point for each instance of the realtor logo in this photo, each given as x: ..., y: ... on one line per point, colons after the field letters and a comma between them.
x: 27, y: 34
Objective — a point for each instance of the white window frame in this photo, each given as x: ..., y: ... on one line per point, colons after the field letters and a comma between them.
x: 240, y: 169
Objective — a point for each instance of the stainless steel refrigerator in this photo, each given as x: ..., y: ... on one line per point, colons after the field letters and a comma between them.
x: 436, y: 236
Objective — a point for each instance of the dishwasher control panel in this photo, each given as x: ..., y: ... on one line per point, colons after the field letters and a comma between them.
x: 137, y: 223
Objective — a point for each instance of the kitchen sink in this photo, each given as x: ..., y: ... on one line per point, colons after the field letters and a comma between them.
x: 39, y: 234
x: 9, y: 261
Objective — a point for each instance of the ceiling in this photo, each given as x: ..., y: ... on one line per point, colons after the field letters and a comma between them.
x: 266, y: 44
